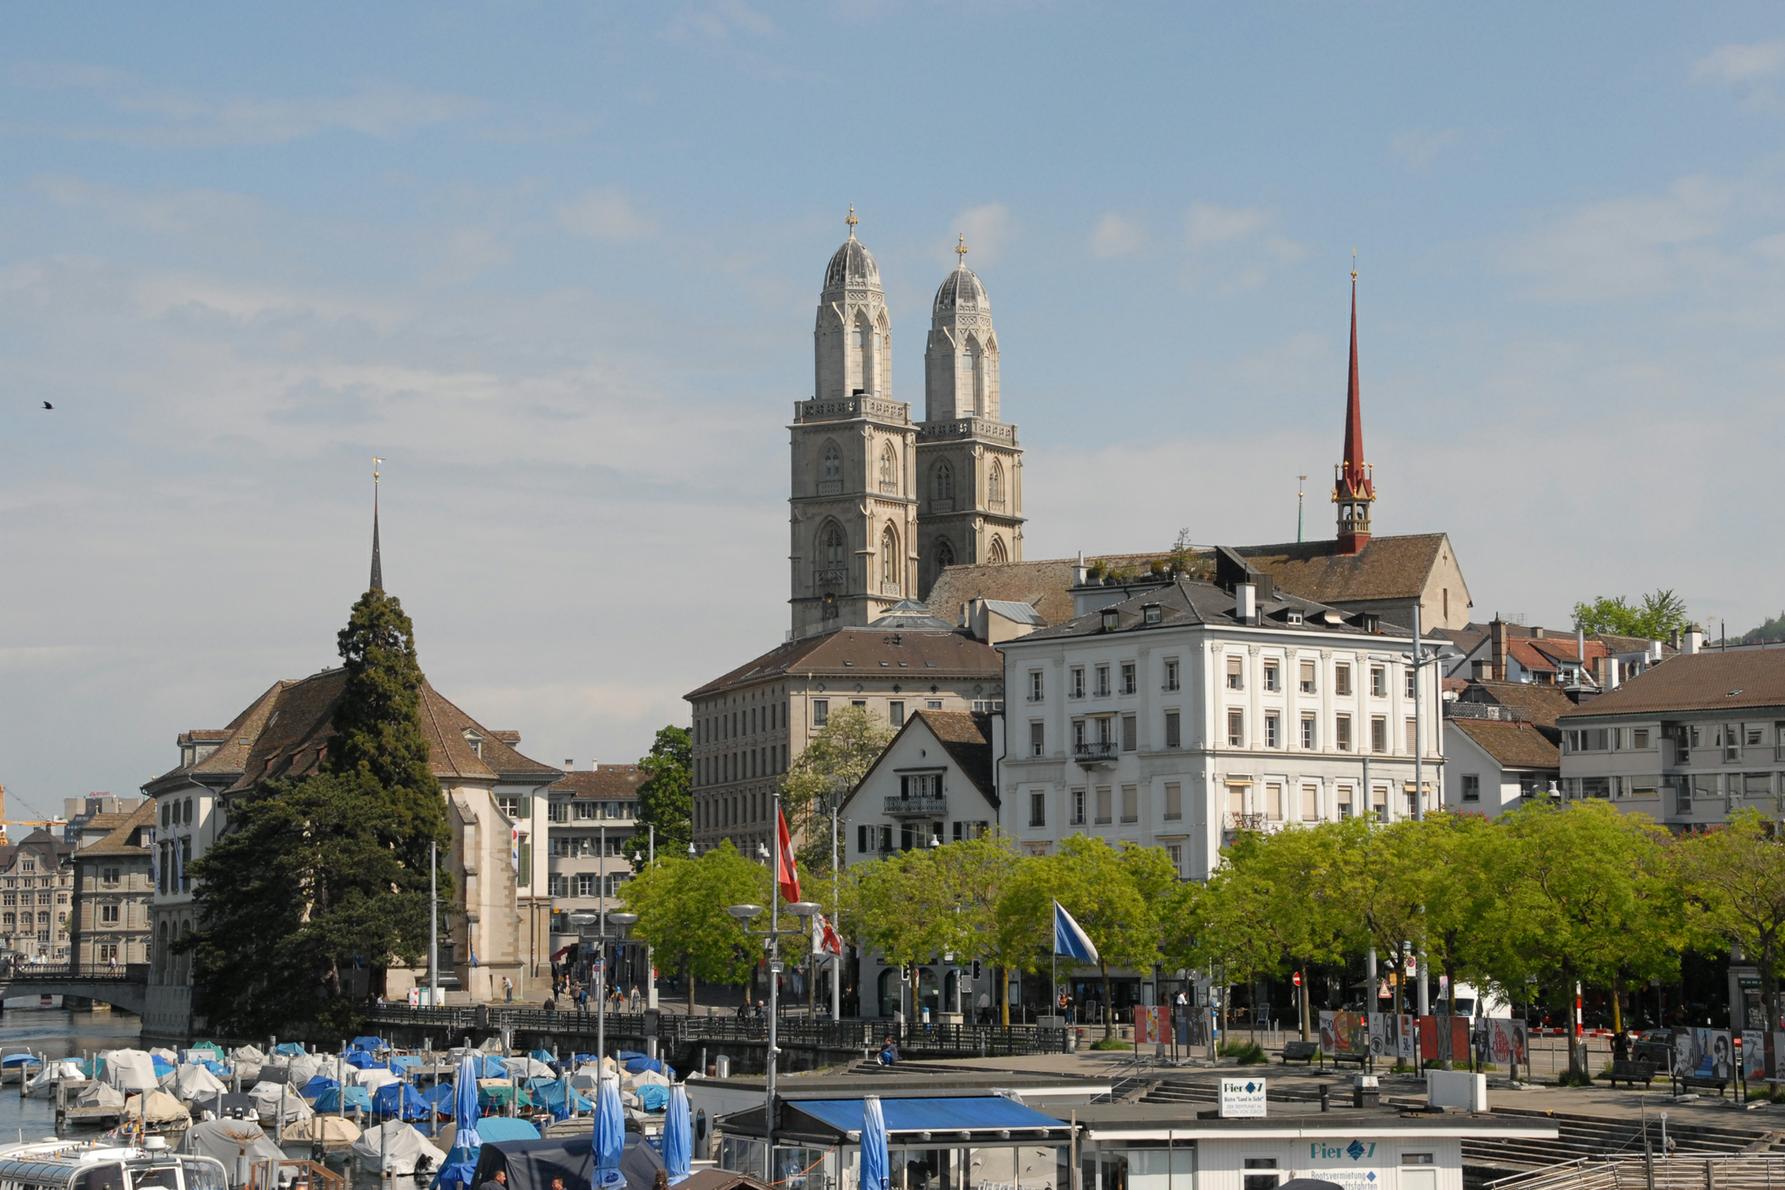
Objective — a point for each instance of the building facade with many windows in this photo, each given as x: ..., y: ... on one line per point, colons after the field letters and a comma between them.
x: 113, y: 881
x: 1689, y: 742
x: 1185, y: 714
x: 592, y: 814
x: 36, y: 890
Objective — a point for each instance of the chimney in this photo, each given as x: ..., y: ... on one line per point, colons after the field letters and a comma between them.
x: 1580, y: 645
x: 1245, y: 603
x: 1613, y: 673
x: 1654, y: 650
x: 1079, y: 576
x: 1497, y: 666
x: 569, y: 763
x: 1694, y: 639
x: 1539, y: 632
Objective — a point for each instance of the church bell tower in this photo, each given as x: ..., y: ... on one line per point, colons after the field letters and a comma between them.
x: 852, y: 517
x: 1354, y: 481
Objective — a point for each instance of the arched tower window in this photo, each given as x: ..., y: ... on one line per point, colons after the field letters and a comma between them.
x: 976, y: 370
x: 942, y: 481
x: 865, y: 352
x: 890, y: 569
x: 889, y: 468
x: 944, y: 554
x: 994, y: 485
x: 830, y: 470
x: 995, y: 552
x: 830, y: 545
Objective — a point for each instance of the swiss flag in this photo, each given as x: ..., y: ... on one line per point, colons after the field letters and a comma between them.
x: 787, y: 875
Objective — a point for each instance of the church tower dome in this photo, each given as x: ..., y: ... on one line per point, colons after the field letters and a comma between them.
x: 852, y: 337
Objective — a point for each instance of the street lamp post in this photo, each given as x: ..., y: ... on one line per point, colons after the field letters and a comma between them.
x: 1421, y: 659
x: 601, y: 937
x: 746, y: 913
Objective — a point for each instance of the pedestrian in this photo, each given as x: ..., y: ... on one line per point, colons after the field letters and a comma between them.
x: 636, y: 998
x: 1620, y: 1046
x: 985, y: 1008
x: 507, y: 990
x: 889, y: 1051
x: 496, y: 1181
x: 761, y: 1010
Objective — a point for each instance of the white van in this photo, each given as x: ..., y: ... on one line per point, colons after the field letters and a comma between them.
x: 1476, y: 1003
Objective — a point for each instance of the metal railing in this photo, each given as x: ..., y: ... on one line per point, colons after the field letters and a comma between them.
x: 918, y: 805
x: 64, y: 972
x: 1747, y: 1171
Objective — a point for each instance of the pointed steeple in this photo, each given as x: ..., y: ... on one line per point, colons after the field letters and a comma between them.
x: 1354, y: 485
x: 377, y: 563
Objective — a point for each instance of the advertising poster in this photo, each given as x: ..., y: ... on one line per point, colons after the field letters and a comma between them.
x: 1507, y: 1043
x: 1444, y: 1038
x: 1344, y: 1032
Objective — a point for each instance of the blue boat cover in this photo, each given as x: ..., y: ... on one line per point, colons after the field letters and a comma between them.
x: 317, y: 1085
x: 401, y: 1100
x: 330, y: 1100
x: 287, y: 1049
x: 506, y: 1128
x: 970, y: 1113
x: 652, y: 1096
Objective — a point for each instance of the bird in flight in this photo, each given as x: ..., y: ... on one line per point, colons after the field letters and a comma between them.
x: 47, y: 405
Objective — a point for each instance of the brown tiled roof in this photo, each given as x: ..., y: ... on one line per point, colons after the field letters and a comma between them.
x: 1044, y: 585
x: 118, y: 842
x: 968, y: 738
x: 609, y: 782
x: 1534, y: 703
x: 103, y: 821
x: 1697, y: 682
x: 853, y: 652
x: 1513, y: 745
x: 1544, y: 655
x: 1386, y: 568
x: 285, y: 732
x: 51, y: 848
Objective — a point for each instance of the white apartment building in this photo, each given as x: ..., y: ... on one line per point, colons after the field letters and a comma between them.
x: 1689, y: 742
x: 1183, y: 714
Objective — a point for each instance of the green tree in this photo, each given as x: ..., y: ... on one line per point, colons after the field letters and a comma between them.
x: 347, y: 846
x: 834, y: 762
x: 666, y: 796
x: 1457, y: 894
x: 1230, y: 922
x: 1773, y: 629
x: 1303, y: 903
x: 1734, y: 883
x: 1656, y: 617
x: 1584, y: 895
x: 1090, y: 879
x: 681, y: 905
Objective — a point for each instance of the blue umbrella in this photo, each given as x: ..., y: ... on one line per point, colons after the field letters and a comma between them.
x: 464, y: 1107
x: 678, y: 1136
x: 610, y: 1135
x: 875, y: 1161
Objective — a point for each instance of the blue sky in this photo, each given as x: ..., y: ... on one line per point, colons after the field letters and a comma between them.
x: 559, y: 265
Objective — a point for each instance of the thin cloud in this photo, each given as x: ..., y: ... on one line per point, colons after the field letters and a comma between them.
x: 987, y: 227
x: 1115, y: 235
x: 1207, y: 225
x: 1418, y: 149
x: 606, y: 214
x: 1631, y: 246
x: 1741, y: 62
x: 1235, y: 248
x: 720, y: 21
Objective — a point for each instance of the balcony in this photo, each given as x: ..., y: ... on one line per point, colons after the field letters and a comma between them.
x: 1093, y: 754
x: 1245, y: 822
x: 923, y: 806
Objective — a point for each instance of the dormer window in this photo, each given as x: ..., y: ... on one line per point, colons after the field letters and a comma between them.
x: 1111, y: 617
x: 1150, y: 613
x: 476, y: 742
x: 1292, y: 616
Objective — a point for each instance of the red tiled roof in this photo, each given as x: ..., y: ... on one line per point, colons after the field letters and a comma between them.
x: 609, y: 782
x: 1697, y: 682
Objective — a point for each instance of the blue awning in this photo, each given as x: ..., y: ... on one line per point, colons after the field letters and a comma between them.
x: 967, y: 1113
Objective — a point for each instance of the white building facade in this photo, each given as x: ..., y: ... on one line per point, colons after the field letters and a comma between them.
x: 1185, y: 714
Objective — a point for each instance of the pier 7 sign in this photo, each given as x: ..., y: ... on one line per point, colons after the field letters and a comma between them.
x: 1345, y: 1163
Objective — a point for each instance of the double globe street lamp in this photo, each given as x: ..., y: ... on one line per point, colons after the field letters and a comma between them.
x: 802, y: 912
x: 601, y: 937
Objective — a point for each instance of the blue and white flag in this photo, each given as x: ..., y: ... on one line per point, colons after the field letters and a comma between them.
x: 1070, y: 938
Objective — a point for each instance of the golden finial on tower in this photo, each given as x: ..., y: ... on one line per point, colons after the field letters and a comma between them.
x: 960, y: 249
x: 851, y: 220
x: 1354, y: 264
x: 377, y: 462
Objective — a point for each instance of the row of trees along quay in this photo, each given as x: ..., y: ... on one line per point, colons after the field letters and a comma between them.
x: 1543, y: 899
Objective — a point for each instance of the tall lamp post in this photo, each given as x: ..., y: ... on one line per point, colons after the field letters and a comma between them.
x: 802, y: 912
x: 1421, y: 659
x: 601, y: 937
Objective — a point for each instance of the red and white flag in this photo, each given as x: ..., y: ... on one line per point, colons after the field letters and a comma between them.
x: 824, y: 936
x: 787, y: 876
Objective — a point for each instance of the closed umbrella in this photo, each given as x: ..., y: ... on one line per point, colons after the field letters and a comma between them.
x: 610, y: 1135
x: 875, y: 1160
x: 678, y: 1136
x: 464, y: 1106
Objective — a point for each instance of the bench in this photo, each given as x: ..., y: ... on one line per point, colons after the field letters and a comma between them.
x: 1632, y: 1072
x: 1359, y: 1059
x: 1705, y: 1076
x: 1300, y: 1051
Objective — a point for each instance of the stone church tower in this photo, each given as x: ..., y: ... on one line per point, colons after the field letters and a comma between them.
x: 969, y: 466
x: 852, y: 517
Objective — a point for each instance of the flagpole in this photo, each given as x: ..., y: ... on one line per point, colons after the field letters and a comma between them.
x: 768, y: 1116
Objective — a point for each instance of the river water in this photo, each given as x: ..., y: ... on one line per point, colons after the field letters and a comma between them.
x: 59, y: 1033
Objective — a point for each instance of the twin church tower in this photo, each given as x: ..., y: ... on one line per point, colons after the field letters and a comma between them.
x: 880, y: 504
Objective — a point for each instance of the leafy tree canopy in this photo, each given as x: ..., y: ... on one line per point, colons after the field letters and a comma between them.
x: 681, y: 905
x: 1657, y: 616
x: 666, y: 797
x: 834, y: 762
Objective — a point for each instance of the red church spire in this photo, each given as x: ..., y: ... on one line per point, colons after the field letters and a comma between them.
x: 1354, y: 486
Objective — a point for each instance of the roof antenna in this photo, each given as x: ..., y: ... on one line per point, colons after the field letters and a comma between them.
x: 1301, y: 482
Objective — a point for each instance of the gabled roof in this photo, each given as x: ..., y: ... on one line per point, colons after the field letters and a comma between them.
x: 1186, y: 602
x: 125, y: 839
x: 1512, y: 745
x: 285, y: 732
x: 1714, y: 681
x: 607, y: 782
x: 854, y: 652
x: 965, y: 736
x: 1534, y: 703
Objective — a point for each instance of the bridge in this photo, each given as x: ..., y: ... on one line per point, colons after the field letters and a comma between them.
x: 801, y: 1039
x: 123, y: 987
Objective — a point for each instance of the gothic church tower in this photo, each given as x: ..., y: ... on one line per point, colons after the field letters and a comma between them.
x: 969, y: 466
x: 852, y: 515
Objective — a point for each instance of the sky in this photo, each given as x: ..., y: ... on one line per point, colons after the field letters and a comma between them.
x: 558, y: 264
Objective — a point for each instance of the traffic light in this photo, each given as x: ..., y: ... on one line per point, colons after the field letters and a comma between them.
x: 976, y: 969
